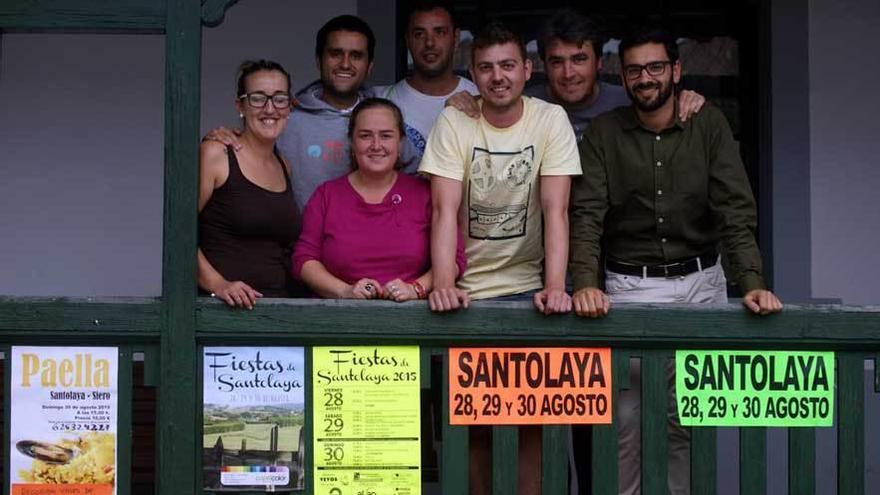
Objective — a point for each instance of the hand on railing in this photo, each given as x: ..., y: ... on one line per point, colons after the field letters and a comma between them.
x: 591, y: 302
x: 448, y: 299
x: 236, y: 294
x: 762, y: 302
x: 551, y: 301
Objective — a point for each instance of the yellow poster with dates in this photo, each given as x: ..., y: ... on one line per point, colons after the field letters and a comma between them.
x: 366, y: 420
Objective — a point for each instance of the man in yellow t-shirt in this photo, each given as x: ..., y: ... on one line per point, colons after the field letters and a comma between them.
x: 497, y: 178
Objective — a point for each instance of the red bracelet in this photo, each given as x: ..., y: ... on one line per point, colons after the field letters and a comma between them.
x: 420, y: 290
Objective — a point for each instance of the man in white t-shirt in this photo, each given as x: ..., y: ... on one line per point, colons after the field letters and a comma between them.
x: 506, y: 172
x: 431, y: 37
x: 504, y: 180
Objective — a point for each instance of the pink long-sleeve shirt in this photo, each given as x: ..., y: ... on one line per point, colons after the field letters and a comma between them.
x: 355, y: 239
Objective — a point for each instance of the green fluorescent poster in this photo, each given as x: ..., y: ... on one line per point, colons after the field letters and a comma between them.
x: 366, y: 420
x: 754, y: 388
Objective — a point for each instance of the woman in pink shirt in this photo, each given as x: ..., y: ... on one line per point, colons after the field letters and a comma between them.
x: 367, y: 235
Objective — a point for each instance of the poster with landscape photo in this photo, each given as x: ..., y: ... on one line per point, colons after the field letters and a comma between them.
x: 253, y: 410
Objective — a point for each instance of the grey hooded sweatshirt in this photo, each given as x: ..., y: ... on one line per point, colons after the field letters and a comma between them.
x: 315, y: 142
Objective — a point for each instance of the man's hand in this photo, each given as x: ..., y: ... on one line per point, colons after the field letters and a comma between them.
x: 591, y: 302
x: 464, y: 102
x: 689, y: 103
x: 448, y: 299
x: 229, y: 137
x: 550, y: 301
x: 762, y: 302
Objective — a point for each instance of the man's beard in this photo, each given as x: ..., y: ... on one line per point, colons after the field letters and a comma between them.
x: 435, y: 70
x: 663, y: 94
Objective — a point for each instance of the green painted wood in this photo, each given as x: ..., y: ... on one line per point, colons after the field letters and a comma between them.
x: 123, y: 421
x: 639, y: 326
x: 213, y: 11
x: 22, y: 320
x: 320, y: 320
x: 200, y: 415
x: 877, y: 373
x: 620, y: 360
x: 454, y: 470
x: 604, y: 469
x: 605, y: 441
x: 505, y: 450
x: 134, y: 15
x: 850, y: 423
x: 7, y: 414
x: 655, y: 398
x: 309, y: 424
x: 177, y: 425
x: 802, y: 461
x: 554, y: 460
x: 704, y: 461
x: 425, y: 368
x: 152, y: 365
x: 753, y: 461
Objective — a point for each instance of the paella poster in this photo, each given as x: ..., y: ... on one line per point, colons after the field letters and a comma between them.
x: 366, y: 413
x: 63, y: 420
x: 253, y: 405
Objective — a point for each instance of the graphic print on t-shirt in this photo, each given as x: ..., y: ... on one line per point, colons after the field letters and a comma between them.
x: 415, y: 137
x: 499, y: 187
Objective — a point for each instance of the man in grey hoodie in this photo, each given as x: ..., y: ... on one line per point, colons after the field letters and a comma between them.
x: 315, y: 142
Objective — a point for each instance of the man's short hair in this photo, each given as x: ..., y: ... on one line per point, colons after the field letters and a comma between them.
x: 570, y: 26
x: 345, y: 23
x: 649, y: 34
x: 421, y: 6
x: 496, y: 33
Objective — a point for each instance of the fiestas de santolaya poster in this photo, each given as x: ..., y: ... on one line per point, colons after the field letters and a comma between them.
x: 366, y: 420
x: 254, y: 402
x: 63, y: 420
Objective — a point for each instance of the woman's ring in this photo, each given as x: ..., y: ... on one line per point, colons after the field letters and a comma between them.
x: 369, y: 287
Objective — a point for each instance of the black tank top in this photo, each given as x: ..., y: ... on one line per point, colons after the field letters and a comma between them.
x: 247, y: 232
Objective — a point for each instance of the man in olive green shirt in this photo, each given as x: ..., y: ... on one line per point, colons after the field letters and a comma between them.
x: 656, y: 198
x: 659, y: 195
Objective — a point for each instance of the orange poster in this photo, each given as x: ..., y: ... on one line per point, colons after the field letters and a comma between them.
x: 517, y: 386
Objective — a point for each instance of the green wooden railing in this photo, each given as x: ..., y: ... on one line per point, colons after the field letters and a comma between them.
x: 651, y: 333
x: 170, y: 330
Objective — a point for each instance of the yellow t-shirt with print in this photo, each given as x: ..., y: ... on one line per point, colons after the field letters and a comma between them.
x: 499, y: 170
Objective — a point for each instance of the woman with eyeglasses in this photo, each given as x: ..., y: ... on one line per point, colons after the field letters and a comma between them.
x: 248, y: 219
x: 367, y: 234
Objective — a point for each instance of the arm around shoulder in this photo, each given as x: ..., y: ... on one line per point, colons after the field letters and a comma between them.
x: 213, y: 169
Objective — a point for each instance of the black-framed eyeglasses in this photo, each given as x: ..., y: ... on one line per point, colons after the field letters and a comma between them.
x: 281, y: 101
x: 633, y: 71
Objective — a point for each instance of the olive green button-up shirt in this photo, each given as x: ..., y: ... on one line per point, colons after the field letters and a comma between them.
x: 650, y: 199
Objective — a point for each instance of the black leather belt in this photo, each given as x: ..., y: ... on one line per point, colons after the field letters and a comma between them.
x: 675, y: 269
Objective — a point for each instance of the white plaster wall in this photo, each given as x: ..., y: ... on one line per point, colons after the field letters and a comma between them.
x: 81, y: 164
x: 845, y: 149
x: 81, y: 135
